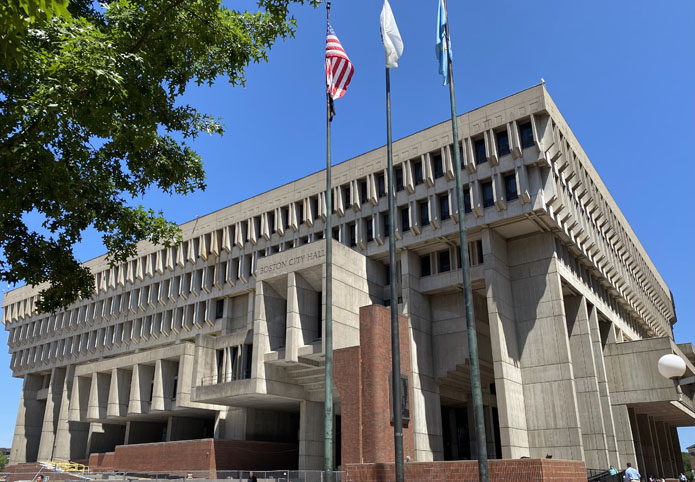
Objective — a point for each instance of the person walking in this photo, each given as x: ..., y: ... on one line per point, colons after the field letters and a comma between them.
x: 252, y: 478
x: 631, y: 474
x: 612, y: 471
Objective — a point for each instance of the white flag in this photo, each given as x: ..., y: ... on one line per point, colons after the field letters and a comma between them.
x: 393, y: 44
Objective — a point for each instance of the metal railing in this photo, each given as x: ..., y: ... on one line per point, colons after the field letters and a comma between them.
x: 603, y: 475
x: 176, y: 475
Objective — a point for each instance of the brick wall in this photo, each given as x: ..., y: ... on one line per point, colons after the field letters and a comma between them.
x: 205, y: 455
x: 362, y: 378
x: 524, y: 470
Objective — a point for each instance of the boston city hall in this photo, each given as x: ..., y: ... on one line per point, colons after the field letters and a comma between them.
x: 218, y: 340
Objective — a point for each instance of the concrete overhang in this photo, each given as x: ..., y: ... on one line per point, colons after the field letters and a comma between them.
x: 250, y: 393
x: 634, y: 380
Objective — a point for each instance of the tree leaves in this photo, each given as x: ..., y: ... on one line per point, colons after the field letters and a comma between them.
x: 89, y: 121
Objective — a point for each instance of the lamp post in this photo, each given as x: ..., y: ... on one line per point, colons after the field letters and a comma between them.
x: 673, y: 367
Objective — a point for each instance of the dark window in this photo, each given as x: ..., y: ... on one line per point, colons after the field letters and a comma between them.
x: 300, y: 213
x: 319, y: 314
x: 346, y: 197
x: 219, y: 308
x: 363, y: 191
x: 510, y: 190
x: 271, y: 222
x: 405, y: 220
x: 285, y: 217
x: 438, y: 166
x: 370, y: 229
x: 352, y: 228
x: 488, y: 198
x: 444, y: 261
x: 248, y: 361
x: 387, y: 226
x: 424, y: 214
x: 466, y: 200
x: 479, y: 148
x: 399, y: 178
x: 425, y: 265
x: 381, y: 185
x: 336, y: 234
x: 444, y: 207
x: 417, y: 172
x: 479, y: 250
x: 502, y: 143
x: 526, y: 135
x: 315, y: 207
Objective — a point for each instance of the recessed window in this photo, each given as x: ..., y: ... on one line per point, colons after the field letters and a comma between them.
x: 444, y: 207
x: 363, y: 191
x: 387, y: 225
x: 424, y: 213
x: 336, y: 234
x: 300, y: 213
x: 315, y: 207
x: 352, y: 229
x: 370, y: 229
x: 425, y: 265
x: 444, y: 261
x: 526, y: 135
x: 381, y: 185
x: 399, y: 177
x: 510, y: 189
x: 417, y: 172
x: 502, y: 143
x: 479, y: 148
x: 488, y: 198
x: 438, y: 166
x: 405, y: 220
x: 219, y: 308
x: 467, y: 200
x: 346, y: 196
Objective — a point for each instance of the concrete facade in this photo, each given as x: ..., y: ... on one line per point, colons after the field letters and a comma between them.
x: 221, y: 336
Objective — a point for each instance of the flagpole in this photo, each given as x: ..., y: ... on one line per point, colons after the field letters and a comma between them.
x: 476, y: 389
x: 395, y: 345
x: 328, y: 332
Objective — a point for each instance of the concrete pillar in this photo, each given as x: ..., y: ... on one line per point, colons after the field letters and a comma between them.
x: 426, y: 412
x: 52, y: 413
x: 669, y: 463
x: 639, y: 451
x: 586, y: 383
x: 27, y: 432
x: 119, y: 393
x: 606, y: 408
x: 311, y: 435
x: 163, y: 389
x: 676, y: 444
x: 98, y: 396
x: 71, y: 435
x: 140, y: 389
x: 505, y: 349
x: 230, y: 424
x: 651, y: 466
x: 552, y: 415
x: 294, y: 325
x: 658, y: 449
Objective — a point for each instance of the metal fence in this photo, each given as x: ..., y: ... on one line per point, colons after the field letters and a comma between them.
x: 178, y: 475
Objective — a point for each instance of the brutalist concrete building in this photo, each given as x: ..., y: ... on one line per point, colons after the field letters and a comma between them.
x: 221, y: 337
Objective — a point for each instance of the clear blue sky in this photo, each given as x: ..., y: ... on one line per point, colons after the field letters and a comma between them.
x: 621, y: 72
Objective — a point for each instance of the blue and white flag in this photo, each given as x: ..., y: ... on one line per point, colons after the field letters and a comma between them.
x: 443, y: 49
x: 393, y: 44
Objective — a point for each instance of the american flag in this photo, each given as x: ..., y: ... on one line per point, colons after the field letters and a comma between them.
x: 339, y: 69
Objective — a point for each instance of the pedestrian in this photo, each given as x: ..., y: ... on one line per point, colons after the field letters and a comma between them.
x: 682, y: 478
x: 631, y: 474
x: 612, y: 471
x: 39, y: 478
x: 252, y: 478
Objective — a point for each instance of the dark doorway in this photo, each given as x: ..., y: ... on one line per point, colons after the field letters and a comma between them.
x: 457, y: 445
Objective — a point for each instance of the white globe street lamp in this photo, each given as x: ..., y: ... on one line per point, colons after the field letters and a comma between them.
x: 671, y: 366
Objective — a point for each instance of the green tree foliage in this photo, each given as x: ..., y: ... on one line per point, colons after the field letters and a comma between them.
x: 3, y: 462
x: 686, y: 465
x: 89, y: 121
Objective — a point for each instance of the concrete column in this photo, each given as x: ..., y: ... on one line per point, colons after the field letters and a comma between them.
x: 552, y: 415
x: 311, y: 435
x: 608, y: 419
x: 230, y: 424
x: 119, y: 393
x: 261, y: 340
x: 98, y: 396
x: 639, y: 451
x: 505, y: 348
x: 52, y: 413
x: 625, y: 441
x: 27, y: 432
x: 676, y: 444
x: 667, y: 452
x: 426, y: 415
x: 586, y: 383
x: 162, y: 393
x: 658, y: 449
x: 71, y: 436
x: 293, y: 329
x: 140, y: 387
x: 651, y: 466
